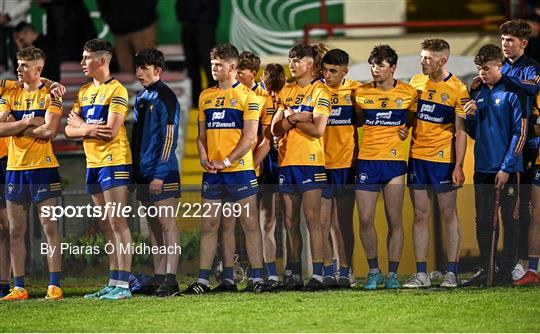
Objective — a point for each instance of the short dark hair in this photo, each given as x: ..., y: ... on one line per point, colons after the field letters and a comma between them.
x: 22, y: 26
x: 488, y: 53
x: 274, y: 77
x: 225, y: 51
x: 517, y: 28
x: 315, y: 51
x: 31, y: 53
x: 336, y: 57
x: 150, y: 56
x: 435, y: 44
x: 249, y: 60
x: 98, y: 45
x: 381, y: 53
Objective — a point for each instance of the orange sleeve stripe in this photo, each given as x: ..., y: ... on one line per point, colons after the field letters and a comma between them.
x: 168, y: 143
x: 522, y: 136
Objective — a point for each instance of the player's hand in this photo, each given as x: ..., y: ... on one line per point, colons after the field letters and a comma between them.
x: 207, y: 166
x: 476, y: 82
x: 403, y: 132
x: 288, y: 111
x: 37, y: 121
x: 501, y: 179
x: 104, y: 132
x: 458, y: 177
x: 57, y: 90
x: 218, y: 165
x: 74, y: 119
x: 10, y: 118
x: 306, y: 117
x: 470, y: 108
x: 156, y: 186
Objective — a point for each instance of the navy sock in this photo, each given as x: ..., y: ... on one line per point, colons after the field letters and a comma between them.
x: 393, y: 266
x: 204, y: 274
x: 123, y: 278
x: 318, y: 268
x: 113, y: 274
x: 421, y: 267
x: 256, y: 273
x: 54, y: 278
x: 344, y: 272
x: 533, y: 263
x: 18, y: 281
x: 159, y: 278
x: 373, y: 263
x: 452, y: 267
x: 329, y: 270
x: 271, y: 268
x: 228, y: 274
x: 296, y: 268
x: 170, y: 277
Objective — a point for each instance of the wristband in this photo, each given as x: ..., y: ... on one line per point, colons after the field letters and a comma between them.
x: 227, y: 162
x: 288, y: 120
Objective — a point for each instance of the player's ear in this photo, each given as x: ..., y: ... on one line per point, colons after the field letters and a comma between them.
x: 158, y: 70
x: 524, y: 43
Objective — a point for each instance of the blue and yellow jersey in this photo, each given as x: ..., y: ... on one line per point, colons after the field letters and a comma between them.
x: 5, y: 85
x: 340, y: 134
x: 25, y: 152
x: 434, y: 123
x: 266, y: 104
x: 94, y: 105
x: 384, y: 112
x: 223, y: 113
x: 297, y: 148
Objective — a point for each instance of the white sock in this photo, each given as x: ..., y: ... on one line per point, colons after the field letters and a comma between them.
x: 113, y: 282
x: 203, y: 281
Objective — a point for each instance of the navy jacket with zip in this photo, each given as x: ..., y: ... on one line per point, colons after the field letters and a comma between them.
x: 499, y: 127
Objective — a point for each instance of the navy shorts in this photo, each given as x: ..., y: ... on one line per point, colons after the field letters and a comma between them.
x: 373, y: 175
x: 229, y: 186
x: 171, y: 188
x: 426, y: 175
x: 33, y: 185
x: 100, y: 179
x: 298, y: 179
x: 340, y: 183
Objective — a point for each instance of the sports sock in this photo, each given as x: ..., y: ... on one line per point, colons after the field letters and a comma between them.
x: 373, y: 265
x: 344, y: 271
x: 123, y: 279
x: 54, y: 278
x: 533, y: 263
x: 228, y: 274
x: 452, y: 267
x: 113, y: 277
x: 329, y: 270
x: 318, y: 270
x: 18, y: 282
x: 421, y: 267
x: 204, y: 276
x: 271, y: 270
x: 393, y: 266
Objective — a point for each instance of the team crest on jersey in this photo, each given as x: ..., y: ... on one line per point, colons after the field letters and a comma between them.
x: 42, y: 103
x: 233, y: 102
x: 241, y: 162
x: 394, y: 152
x: 109, y: 157
x: 102, y: 98
x: 309, y: 99
x: 10, y: 188
x: 205, y: 187
x: 399, y: 102
x: 440, y: 154
x: 348, y: 99
x: 312, y: 157
x: 444, y: 97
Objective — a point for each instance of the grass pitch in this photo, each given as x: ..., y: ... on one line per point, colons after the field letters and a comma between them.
x: 432, y: 310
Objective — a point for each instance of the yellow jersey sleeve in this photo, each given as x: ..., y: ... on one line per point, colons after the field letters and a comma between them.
x: 268, y: 110
x: 4, y: 103
x: 462, y: 98
x: 119, y: 101
x: 252, y: 107
x: 55, y: 106
x: 322, y: 98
